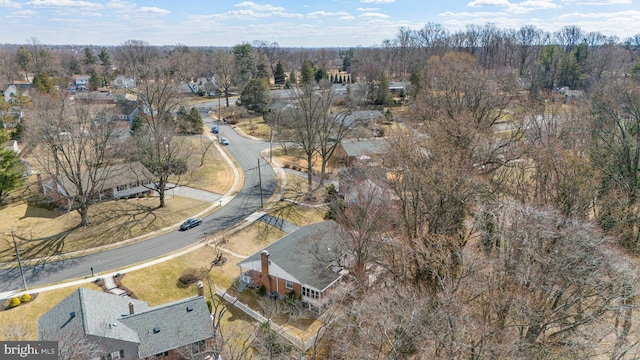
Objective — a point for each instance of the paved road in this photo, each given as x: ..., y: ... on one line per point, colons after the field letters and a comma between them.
x: 246, y: 153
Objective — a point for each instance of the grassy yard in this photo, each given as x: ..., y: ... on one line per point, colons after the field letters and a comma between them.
x: 158, y: 284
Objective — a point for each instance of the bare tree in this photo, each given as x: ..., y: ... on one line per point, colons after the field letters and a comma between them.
x: 223, y: 70
x: 156, y: 144
x: 314, y: 127
x: 75, y: 145
x: 615, y: 114
x: 136, y: 57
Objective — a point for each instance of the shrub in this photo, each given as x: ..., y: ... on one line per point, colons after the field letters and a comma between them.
x: 262, y: 290
x: 25, y: 298
x: 14, y: 302
x: 189, y: 276
x: 210, y: 306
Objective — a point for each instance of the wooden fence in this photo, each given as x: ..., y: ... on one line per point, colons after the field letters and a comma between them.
x: 294, y: 340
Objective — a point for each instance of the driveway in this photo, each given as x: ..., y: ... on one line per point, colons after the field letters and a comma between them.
x: 194, y: 193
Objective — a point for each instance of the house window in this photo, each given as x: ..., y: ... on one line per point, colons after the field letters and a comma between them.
x: 288, y: 284
x: 161, y: 355
x: 133, y: 185
x: 116, y: 355
x: 198, y: 347
x: 121, y: 187
x: 310, y: 293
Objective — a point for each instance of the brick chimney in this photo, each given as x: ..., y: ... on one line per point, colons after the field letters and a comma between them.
x: 264, y: 262
x: 130, y: 308
x: 200, y: 288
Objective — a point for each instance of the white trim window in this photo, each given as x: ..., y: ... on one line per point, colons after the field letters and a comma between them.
x: 310, y: 293
x: 288, y: 284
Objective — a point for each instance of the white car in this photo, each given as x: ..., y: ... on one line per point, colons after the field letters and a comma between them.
x: 224, y: 141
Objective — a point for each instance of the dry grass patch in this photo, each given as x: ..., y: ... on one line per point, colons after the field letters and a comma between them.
x: 54, y: 232
x: 255, y: 126
x: 252, y: 238
x: 210, y: 171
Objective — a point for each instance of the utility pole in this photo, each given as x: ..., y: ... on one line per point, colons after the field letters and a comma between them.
x: 15, y: 245
x: 260, y: 184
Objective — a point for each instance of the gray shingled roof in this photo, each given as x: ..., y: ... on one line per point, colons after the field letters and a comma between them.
x: 364, y: 147
x: 294, y: 253
x: 176, y: 324
x: 94, y: 311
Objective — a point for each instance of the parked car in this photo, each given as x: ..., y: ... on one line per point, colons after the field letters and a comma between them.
x: 214, y: 129
x: 224, y: 141
x: 190, y: 223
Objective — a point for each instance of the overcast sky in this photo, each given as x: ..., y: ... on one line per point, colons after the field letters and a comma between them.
x: 293, y: 23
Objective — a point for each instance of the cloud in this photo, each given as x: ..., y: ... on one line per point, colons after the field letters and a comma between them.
x: 479, y: 3
x: 597, y: 2
x: 374, y: 15
x: 65, y: 3
x: 9, y: 3
x: 368, y: 9
x: 119, y: 4
x: 153, y: 10
x: 317, y: 14
x: 519, y: 8
x: 257, y: 7
x: 24, y: 14
x: 377, y: 1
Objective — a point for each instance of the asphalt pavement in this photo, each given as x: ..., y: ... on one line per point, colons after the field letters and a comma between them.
x: 258, y: 186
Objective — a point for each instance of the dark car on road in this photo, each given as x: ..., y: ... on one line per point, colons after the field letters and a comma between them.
x: 214, y: 129
x: 190, y: 223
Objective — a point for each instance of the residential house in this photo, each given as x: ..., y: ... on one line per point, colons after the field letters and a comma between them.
x: 118, y: 181
x: 399, y: 88
x: 104, y: 97
x: 79, y: 83
x: 294, y: 265
x: 357, y: 90
x: 361, y: 117
x: 354, y: 152
x: 123, y: 82
x: 11, y: 90
x: 108, y: 326
x: 127, y: 109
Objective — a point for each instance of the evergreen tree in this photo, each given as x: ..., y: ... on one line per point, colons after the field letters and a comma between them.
x: 105, y: 60
x: 137, y: 124
x: 279, y: 77
x: 319, y: 74
x: 11, y: 168
x: 43, y: 83
x: 293, y: 80
x: 383, y: 96
x: 195, y: 120
x: 256, y: 95
x: 416, y: 82
x: 89, y: 58
x: 307, y: 73
x: 94, y: 80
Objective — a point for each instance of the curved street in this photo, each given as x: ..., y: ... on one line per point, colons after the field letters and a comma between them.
x: 246, y: 153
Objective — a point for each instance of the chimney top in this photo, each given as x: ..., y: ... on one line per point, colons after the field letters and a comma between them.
x: 130, y: 307
x: 265, y: 252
